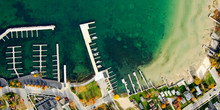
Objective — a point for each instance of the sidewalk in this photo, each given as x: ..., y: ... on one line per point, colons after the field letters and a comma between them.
x: 207, y: 96
x: 19, y: 91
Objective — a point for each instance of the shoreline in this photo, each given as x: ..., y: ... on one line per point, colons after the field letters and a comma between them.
x: 182, y: 50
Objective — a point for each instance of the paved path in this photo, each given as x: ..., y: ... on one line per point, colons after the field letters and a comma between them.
x: 207, y: 96
x: 170, y: 101
x: 105, y: 100
x: 73, y: 97
x: 82, y: 84
x: 20, y: 91
x: 87, y: 38
x: 64, y: 92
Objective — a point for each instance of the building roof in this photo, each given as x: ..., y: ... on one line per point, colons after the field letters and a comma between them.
x: 188, y: 95
x: 199, y: 92
x: 162, y: 94
x: 151, y: 104
x: 173, y: 92
x: 217, y: 105
x: 149, y: 100
x: 214, y: 44
x: 141, y: 106
x: 177, y: 93
x: 160, y: 98
x: 183, y: 101
x: 39, y: 81
x: 169, y: 93
x: 142, y: 99
x: 46, y: 104
x: 166, y: 93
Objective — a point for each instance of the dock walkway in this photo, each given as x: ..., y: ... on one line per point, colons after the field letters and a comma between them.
x: 87, y: 38
x: 40, y: 56
x: 14, y: 57
x: 100, y: 72
x: 26, y: 29
x: 57, y: 70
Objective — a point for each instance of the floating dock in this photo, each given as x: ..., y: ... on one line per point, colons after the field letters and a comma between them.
x: 137, y: 81
x: 24, y: 29
x: 14, y: 57
x: 40, y: 56
x: 144, y: 79
x: 125, y: 83
x: 87, y: 38
x: 57, y: 70
x: 132, y: 83
x: 100, y: 72
x: 64, y: 72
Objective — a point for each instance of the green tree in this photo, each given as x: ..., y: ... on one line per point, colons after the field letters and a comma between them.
x: 182, y: 89
x: 197, y: 81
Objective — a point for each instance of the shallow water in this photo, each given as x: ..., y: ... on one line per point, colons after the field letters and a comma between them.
x: 182, y: 51
x: 129, y: 31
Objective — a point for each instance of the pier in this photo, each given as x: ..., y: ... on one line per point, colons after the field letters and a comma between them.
x: 40, y: 56
x: 14, y: 63
x: 152, y: 84
x: 132, y: 83
x: 100, y: 72
x: 57, y: 66
x: 144, y: 79
x: 25, y: 29
x: 125, y: 83
x: 137, y: 81
x: 64, y: 72
x: 87, y: 38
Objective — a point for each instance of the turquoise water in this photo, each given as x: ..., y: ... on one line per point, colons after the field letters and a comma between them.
x: 129, y: 31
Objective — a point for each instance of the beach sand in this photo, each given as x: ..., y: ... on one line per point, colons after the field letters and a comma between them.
x: 182, y: 49
x: 125, y: 103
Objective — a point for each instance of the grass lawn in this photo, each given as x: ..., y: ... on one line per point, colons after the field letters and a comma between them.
x: 209, y: 79
x: 89, y: 93
x: 165, y: 88
x: 153, y: 92
x: 137, y: 96
x: 168, y: 107
x: 14, y: 100
x: 138, y: 100
x: 185, y: 104
x: 104, y: 106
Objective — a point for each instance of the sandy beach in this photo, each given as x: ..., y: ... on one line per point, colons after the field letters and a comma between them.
x: 125, y: 103
x: 189, y: 29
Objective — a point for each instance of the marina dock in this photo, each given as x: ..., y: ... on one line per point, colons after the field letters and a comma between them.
x: 87, y: 38
x: 40, y: 56
x: 64, y: 72
x: 144, y: 79
x: 132, y: 84
x: 137, y: 81
x: 125, y: 83
x: 100, y: 72
x: 57, y: 66
x: 14, y: 62
x: 24, y: 29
